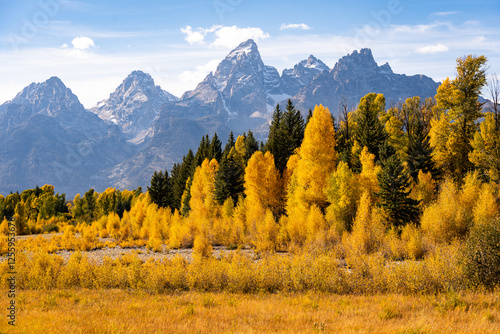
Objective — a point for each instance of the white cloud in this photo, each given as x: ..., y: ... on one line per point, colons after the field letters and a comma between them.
x: 193, y: 37
x: 229, y: 37
x: 221, y: 36
x: 64, y: 46
x: 433, y: 49
x: 82, y: 43
x: 200, y: 73
x: 444, y: 13
x: 302, y: 26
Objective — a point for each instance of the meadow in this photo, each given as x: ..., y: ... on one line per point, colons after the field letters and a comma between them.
x: 122, y: 311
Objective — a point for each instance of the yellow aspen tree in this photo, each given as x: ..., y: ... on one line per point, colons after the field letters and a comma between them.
x: 485, y: 153
x: 317, y: 229
x: 397, y: 137
x: 442, y: 221
x: 316, y: 160
x: 262, y: 186
x: 125, y: 227
x: 266, y: 235
x: 459, y: 100
x: 424, y: 190
x: 113, y: 225
x: 367, y: 179
x: 486, y: 208
x: 240, y: 146
x: 138, y: 214
x: 368, y: 227
x: 202, y: 201
x: 237, y: 237
x: 342, y: 193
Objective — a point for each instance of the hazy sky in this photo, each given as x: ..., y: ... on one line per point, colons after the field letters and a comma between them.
x: 93, y: 45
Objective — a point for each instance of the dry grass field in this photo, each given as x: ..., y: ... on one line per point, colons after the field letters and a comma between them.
x: 119, y: 311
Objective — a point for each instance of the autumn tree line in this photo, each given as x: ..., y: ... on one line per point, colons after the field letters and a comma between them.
x: 398, y: 178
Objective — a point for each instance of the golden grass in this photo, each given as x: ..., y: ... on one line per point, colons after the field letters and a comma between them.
x: 119, y: 311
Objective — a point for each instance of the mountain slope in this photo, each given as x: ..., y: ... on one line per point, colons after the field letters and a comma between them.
x: 47, y: 136
x: 356, y: 75
x: 134, y: 105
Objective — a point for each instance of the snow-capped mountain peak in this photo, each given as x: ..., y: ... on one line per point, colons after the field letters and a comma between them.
x: 134, y: 105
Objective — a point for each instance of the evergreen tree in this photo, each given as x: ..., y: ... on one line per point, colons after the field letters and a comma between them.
x: 394, y: 194
x: 229, y: 145
x: 294, y: 127
x: 286, y: 133
x: 370, y: 131
x: 419, y: 152
x: 160, y: 190
x: 89, y: 205
x: 202, y: 152
x: 251, y: 146
x: 215, y: 149
x: 179, y: 176
x: 229, y: 181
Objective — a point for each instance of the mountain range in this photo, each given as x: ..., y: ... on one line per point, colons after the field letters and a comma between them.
x: 47, y: 136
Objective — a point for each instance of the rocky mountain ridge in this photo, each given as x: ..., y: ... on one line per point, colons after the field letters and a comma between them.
x: 48, y: 137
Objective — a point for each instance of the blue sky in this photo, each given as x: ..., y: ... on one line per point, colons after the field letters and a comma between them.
x: 93, y: 45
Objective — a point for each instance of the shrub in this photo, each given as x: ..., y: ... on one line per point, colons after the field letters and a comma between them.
x: 481, y: 254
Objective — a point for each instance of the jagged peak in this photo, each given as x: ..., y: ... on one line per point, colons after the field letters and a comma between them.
x: 144, y: 80
x: 52, y: 88
x: 386, y: 68
x: 54, y: 81
x: 313, y: 62
x: 248, y: 47
x: 362, y: 60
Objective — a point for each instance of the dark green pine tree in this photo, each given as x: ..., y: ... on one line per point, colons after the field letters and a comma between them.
x: 215, y: 148
x: 202, y: 152
x: 286, y: 133
x: 179, y: 177
x: 419, y: 152
x: 394, y: 194
x: 370, y: 131
x: 276, y: 139
x: 160, y: 189
x: 229, y: 181
x: 229, y: 145
x: 89, y: 205
x: 294, y: 126
x: 251, y: 146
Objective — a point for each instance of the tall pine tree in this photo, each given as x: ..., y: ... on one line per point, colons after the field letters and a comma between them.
x: 394, y: 194
x: 229, y: 181
x: 370, y: 131
x: 160, y: 190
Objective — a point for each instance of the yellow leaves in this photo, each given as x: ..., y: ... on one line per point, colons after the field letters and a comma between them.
x: 447, y: 95
x: 445, y: 143
x: 342, y: 193
x: 317, y: 159
x: 487, y: 208
x: 240, y: 146
x: 202, y: 201
x: 397, y: 137
x: 425, y: 189
x: 367, y: 179
x: 262, y: 185
x: 451, y: 216
x: 265, y: 238
x: 368, y: 228
x: 486, y: 148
